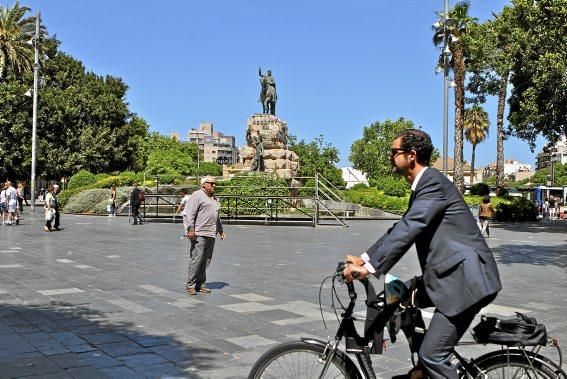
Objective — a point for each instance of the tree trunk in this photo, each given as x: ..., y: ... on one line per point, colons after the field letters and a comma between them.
x: 500, y: 128
x: 459, y: 72
x: 472, y: 163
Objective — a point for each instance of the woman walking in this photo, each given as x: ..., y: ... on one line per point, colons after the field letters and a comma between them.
x: 112, y: 202
x: 485, y: 213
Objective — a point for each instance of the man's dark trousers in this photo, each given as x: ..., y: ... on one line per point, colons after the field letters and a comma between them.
x: 442, y: 335
x: 199, y: 259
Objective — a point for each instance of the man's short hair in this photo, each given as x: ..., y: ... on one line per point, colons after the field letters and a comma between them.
x: 207, y: 179
x: 418, y: 141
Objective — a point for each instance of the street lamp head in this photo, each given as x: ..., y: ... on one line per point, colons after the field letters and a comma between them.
x: 438, y: 69
x: 28, y: 93
x: 447, y: 51
x: 452, y: 84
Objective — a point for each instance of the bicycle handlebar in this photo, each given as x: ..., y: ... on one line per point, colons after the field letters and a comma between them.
x: 342, y: 265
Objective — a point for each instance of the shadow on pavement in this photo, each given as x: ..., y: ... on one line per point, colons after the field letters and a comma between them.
x: 217, y: 285
x: 531, y: 254
x: 71, y: 340
x: 546, y: 226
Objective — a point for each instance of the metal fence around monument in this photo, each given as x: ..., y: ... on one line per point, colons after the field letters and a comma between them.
x: 318, y: 203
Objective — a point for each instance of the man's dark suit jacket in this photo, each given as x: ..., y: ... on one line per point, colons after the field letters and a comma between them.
x: 458, y: 268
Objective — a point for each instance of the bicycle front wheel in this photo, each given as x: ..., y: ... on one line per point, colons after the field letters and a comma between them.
x: 300, y: 360
x: 506, y: 366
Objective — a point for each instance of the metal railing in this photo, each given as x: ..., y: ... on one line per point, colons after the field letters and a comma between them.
x: 308, y: 204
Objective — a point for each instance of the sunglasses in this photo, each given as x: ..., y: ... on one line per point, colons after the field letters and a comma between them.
x: 212, y: 183
x: 397, y: 150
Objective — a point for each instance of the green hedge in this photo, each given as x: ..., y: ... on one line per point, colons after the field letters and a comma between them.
x: 94, y: 201
x: 374, y: 198
x: 84, y: 180
x: 391, y: 186
x: 508, y: 208
x: 516, y: 209
x: 81, y: 179
x: 480, y: 189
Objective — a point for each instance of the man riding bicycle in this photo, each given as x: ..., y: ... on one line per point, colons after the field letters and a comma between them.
x: 459, y: 271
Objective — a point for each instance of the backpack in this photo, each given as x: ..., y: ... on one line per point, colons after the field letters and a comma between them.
x: 519, y: 331
x: 141, y: 196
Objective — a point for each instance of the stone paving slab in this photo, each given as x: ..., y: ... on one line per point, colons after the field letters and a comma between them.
x: 102, y: 298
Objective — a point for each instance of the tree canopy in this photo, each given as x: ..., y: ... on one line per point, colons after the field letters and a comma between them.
x: 538, y: 102
x: 83, y: 121
x: 317, y: 156
x: 168, y: 156
x: 16, y: 29
x: 371, y: 153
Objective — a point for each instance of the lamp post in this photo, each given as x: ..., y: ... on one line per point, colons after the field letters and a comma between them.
x: 34, y: 116
x: 446, y: 55
x: 198, y: 133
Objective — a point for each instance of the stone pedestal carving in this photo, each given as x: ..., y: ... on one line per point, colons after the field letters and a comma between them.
x: 271, y: 133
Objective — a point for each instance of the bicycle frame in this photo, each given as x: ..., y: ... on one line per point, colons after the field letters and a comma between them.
x: 347, y: 330
x: 357, y: 345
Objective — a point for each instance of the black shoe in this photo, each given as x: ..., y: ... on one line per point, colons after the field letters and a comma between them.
x: 17, y: 222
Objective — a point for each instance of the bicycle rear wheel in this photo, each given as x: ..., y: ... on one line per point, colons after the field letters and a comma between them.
x: 507, y: 366
x: 300, y: 360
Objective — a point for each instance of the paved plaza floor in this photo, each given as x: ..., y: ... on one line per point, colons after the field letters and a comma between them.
x: 102, y: 298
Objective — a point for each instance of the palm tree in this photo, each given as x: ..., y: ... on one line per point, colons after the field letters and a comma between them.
x: 476, y: 130
x: 455, y: 31
x: 16, y: 54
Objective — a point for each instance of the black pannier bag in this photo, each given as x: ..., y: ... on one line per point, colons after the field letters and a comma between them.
x: 519, y: 331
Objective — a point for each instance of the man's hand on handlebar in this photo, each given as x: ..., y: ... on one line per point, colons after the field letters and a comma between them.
x: 354, y: 260
x: 352, y: 272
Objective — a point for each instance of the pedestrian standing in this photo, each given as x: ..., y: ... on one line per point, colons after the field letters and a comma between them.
x: 12, y: 203
x: 21, y: 196
x: 203, y: 217
x: 183, y: 209
x: 112, y: 201
x: 136, y: 197
x: 3, y: 204
x: 552, y: 204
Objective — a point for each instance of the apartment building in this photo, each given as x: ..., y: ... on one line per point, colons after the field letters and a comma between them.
x: 213, y: 145
x: 556, y: 152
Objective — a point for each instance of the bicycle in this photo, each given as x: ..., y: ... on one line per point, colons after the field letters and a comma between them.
x: 394, y: 309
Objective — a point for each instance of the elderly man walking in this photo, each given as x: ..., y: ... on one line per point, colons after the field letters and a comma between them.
x: 202, y: 213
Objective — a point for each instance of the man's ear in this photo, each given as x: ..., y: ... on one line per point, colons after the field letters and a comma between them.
x: 413, y: 156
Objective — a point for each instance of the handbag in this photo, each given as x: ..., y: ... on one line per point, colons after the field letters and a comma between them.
x: 109, y: 208
x: 49, y: 214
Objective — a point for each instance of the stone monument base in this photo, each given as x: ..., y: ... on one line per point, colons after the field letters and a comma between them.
x: 272, y: 131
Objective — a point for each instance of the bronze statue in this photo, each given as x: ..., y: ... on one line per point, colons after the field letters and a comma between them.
x: 258, y: 161
x: 268, y: 95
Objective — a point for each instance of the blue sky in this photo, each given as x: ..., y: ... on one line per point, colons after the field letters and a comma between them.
x: 339, y: 64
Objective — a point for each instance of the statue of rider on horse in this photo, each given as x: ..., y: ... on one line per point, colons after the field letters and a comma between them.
x: 268, y: 96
